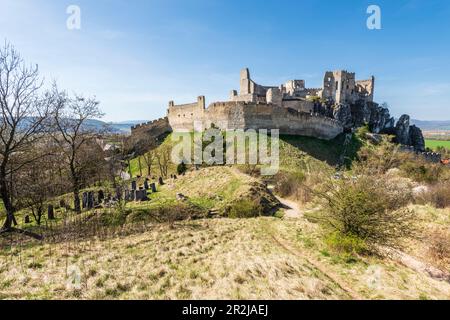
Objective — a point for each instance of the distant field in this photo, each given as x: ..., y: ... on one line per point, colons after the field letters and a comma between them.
x: 433, y: 144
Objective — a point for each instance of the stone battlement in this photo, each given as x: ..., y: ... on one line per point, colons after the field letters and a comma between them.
x: 286, y: 107
x: 147, y: 124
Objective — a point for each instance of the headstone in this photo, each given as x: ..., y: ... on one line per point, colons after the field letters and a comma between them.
x: 84, y: 202
x: 50, y: 212
x: 146, y: 184
x: 181, y: 197
x: 153, y: 187
x: 118, y: 193
x: 160, y: 181
x: 133, y: 185
x: 90, y: 203
x: 27, y: 219
x: 101, y: 196
x: 141, y: 195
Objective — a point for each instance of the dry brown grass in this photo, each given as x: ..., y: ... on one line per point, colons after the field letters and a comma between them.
x: 207, y: 259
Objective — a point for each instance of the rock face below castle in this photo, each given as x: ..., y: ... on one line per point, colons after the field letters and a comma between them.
x: 342, y: 104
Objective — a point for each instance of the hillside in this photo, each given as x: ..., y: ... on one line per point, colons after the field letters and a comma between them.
x: 186, y: 243
x: 259, y: 258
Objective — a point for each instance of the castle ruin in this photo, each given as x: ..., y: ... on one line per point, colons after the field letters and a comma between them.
x: 342, y: 104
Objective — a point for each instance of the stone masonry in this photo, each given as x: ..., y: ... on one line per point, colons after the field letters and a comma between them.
x: 342, y: 104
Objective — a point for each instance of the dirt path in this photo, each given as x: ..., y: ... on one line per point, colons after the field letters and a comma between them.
x: 291, y: 209
x: 318, y: 266
x: 417, y: 265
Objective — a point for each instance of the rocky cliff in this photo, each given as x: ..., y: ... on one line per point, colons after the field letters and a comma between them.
x: 379, y: 120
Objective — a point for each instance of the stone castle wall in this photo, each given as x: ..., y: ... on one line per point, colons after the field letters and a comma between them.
x: 248, y: 115
x: 155, y: 129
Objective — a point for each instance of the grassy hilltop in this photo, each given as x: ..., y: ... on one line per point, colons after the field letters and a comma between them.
x: 238, y: 235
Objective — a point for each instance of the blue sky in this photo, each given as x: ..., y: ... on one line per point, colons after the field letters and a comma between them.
x: 136, y: 55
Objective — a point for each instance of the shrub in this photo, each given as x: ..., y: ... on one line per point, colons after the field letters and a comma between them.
x: 367, y: 208
x: 422, y: 171
x: 380, y: 159
x: 244, y: 208
x: 346, y: 243
x: 289, y: 184
x: 439, y: 248
x: 438, y: 195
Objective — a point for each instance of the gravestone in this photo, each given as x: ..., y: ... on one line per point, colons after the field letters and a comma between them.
x: 118, y: 193
x: 90, y: 203
x: 84, y: 202
x: 153, y: 187
x: 133, y: 185
x: 160, y: 181
x: 141, y: 195
x: 101, y: 196
x: 27, y: 219
x: 146, y: 184
x: 50, y: 212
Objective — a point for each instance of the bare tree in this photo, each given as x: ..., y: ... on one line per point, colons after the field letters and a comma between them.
x: 37, y: 185
x: 24, y: 112
x: 73, y: 133
x: 163, y: 157
x: 149, y: 158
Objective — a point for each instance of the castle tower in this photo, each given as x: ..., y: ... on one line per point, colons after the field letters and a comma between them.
x: 245, y: 82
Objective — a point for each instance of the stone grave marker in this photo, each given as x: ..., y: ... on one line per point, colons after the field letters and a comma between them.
x: 50, y: 212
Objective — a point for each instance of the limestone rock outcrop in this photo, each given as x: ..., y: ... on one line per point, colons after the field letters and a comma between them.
x: 416, y: 138
x: 409, y: 135
x: 402, y: 130
x: 343, y: 113
x: 380, y: 119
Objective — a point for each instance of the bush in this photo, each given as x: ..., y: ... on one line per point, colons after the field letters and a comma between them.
x: 381, y: 158
x: 346, y: 243
x: 287, y: 183
x: 438, y: 195
x: 244, y: 208
x: 439, y: 248
x: 367, y: 208
x: 422, y: 171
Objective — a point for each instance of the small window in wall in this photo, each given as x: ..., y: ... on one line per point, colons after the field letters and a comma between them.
x: 192, y: 114
x: 179, y: 116
x: 184, y: 115
x: 337, y: 85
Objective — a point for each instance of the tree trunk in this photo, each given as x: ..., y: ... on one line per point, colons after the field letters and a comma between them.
x: 140, y: 166
x: 5, y: 195
x: 76, y: 201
